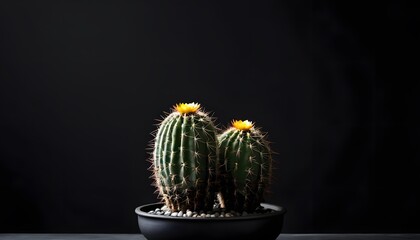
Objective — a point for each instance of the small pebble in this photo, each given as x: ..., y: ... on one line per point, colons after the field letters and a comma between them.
x: 217, y: 212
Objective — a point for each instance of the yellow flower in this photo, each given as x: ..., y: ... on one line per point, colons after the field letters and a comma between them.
x: 242, y: 125
x: 185, y: 108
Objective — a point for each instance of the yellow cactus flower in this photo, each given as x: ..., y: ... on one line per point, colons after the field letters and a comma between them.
x: 242, y: 125
x: 185, y: 108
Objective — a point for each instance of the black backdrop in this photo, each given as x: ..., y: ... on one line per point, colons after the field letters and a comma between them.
x: 82, y: 83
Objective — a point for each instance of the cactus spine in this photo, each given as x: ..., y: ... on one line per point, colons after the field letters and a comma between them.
x: 185, y: 159
x: 246, y: 163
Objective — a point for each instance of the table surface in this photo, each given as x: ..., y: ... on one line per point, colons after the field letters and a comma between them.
x: 140, y: 237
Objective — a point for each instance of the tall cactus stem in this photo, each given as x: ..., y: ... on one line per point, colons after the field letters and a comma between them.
x: 185, y: 159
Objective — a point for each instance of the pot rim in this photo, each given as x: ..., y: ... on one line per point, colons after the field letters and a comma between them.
x: 278, y: 210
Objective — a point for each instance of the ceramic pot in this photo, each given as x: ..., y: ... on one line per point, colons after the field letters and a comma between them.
x: 264, y: 226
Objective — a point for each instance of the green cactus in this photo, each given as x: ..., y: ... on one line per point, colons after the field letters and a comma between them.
x: 185, y: 159
x: 246, y: 164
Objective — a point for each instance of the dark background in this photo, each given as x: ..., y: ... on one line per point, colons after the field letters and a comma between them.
x: 334, y: 84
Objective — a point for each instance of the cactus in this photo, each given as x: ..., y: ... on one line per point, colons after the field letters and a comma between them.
x: 246, y: 163
x: 185, y: 159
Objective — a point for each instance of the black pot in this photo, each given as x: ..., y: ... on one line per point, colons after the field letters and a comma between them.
x: 265, y: 226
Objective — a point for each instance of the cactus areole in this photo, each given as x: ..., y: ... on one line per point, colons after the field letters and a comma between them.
x: 185, y: 159
x: 246, y: 164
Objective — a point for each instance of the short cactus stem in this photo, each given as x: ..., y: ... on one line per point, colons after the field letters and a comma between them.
x: 185, y: 159
x: 246, y: 164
